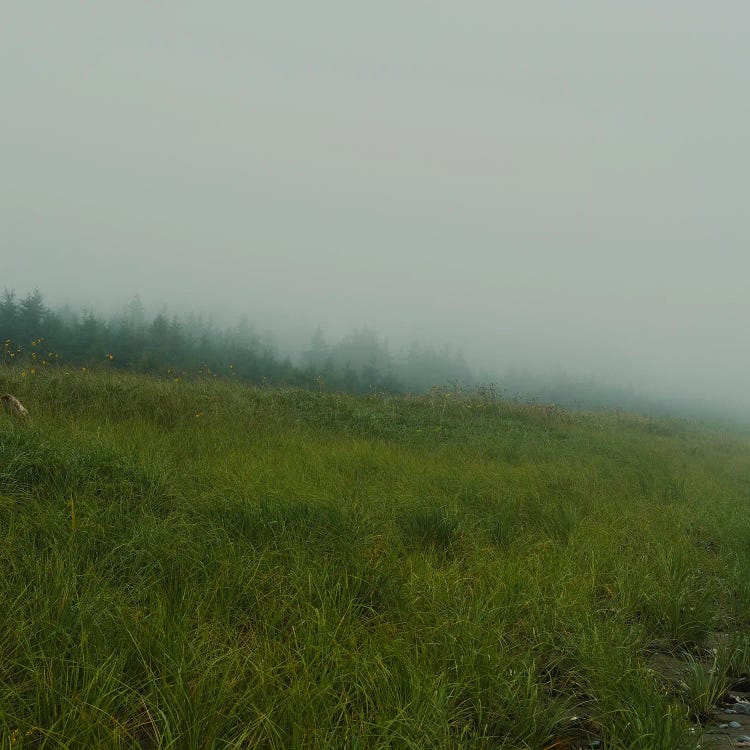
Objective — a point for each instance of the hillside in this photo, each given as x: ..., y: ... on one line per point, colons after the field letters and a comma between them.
x: 209, y: 565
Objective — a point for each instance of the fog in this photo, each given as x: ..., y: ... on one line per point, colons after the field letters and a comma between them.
x: 553, y: 186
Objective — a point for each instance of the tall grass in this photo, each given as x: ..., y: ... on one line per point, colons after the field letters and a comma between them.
x: 206, y: 565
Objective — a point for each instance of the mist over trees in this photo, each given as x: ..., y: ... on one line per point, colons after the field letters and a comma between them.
x: 35, y: 336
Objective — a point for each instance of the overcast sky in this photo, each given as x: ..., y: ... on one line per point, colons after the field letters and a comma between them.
x: 551, y: 184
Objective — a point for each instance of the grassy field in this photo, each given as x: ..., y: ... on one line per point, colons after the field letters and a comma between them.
x: 207, y: 565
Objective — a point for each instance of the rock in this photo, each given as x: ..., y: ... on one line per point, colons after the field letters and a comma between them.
x: 742, y: 738
x: 741, y: 707
x: 735, y: 725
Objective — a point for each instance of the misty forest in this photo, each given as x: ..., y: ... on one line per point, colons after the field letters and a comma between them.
x: 36, y: 337
x: 359, y: 363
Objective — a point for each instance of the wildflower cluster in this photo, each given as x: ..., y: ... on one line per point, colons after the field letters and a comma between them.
x: 30, y: 358
x: 10, y: 352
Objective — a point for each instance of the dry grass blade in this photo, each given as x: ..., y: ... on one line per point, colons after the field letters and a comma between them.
x: 14, y: 406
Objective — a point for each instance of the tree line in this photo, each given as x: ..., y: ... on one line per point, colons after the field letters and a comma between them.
x: 36, y: 336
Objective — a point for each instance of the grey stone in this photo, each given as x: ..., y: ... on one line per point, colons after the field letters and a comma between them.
x: 741, y: 707
x: 735, y: 724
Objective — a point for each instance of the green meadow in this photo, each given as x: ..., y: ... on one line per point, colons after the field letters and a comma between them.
x: 202, y: 564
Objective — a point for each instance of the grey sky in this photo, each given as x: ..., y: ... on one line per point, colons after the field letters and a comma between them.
x: 551, y: 184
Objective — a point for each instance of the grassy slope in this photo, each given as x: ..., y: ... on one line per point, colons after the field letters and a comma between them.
x: 203, y: 565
